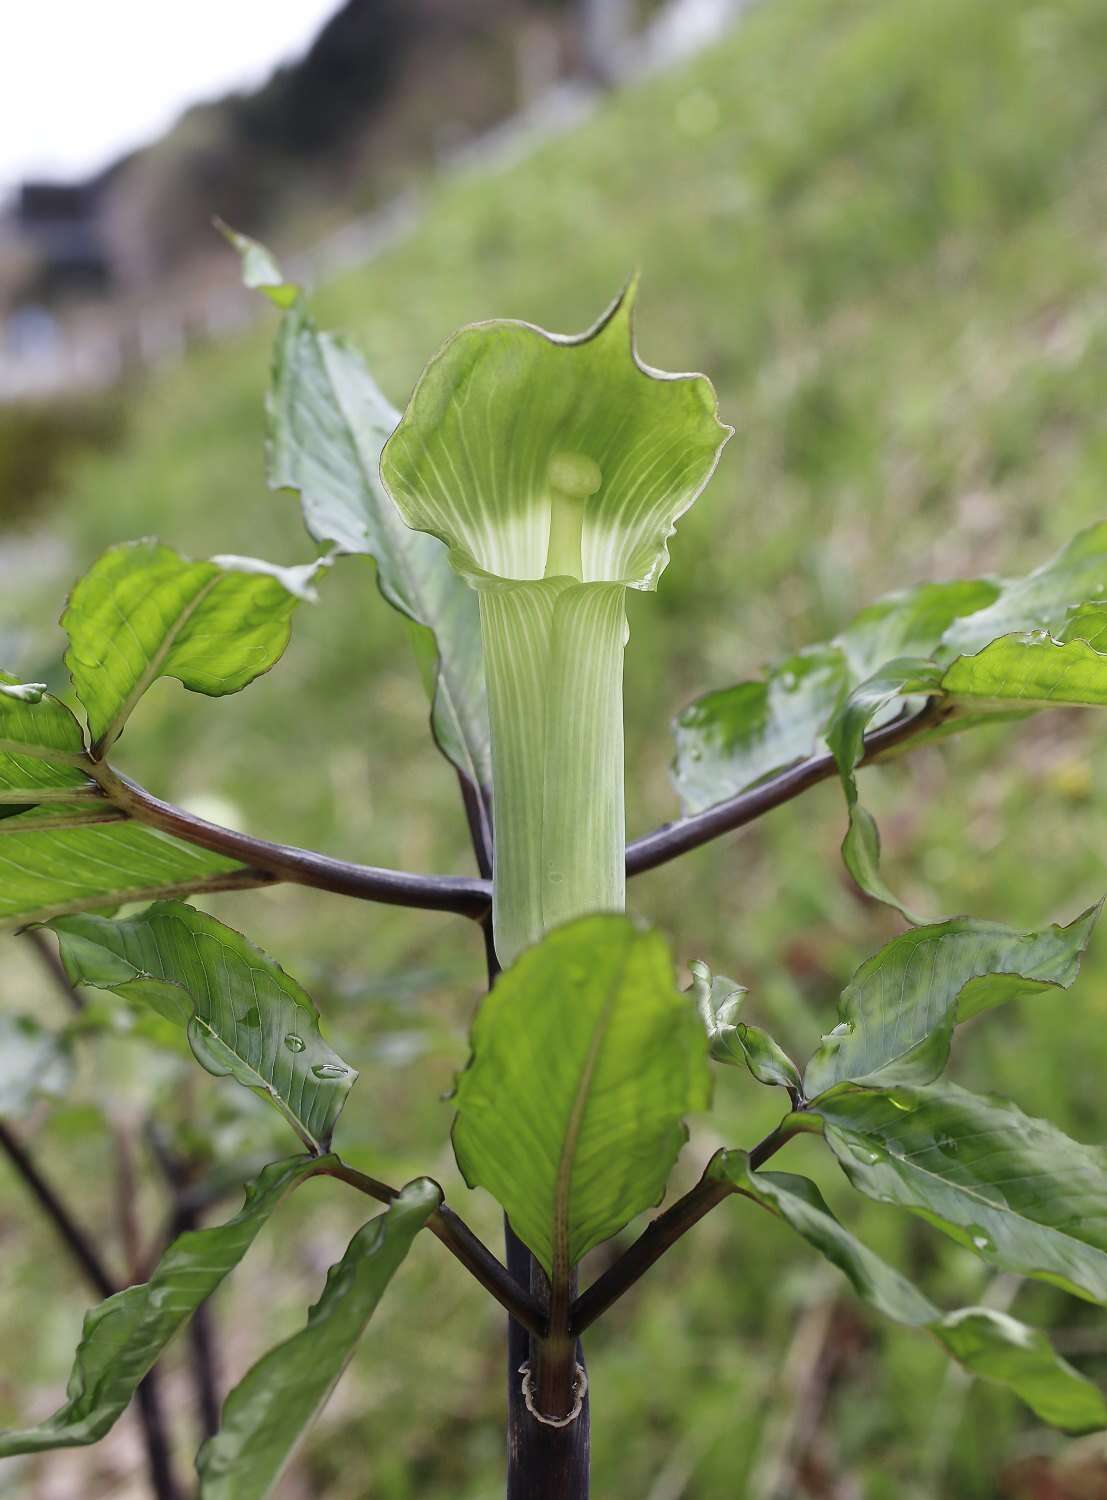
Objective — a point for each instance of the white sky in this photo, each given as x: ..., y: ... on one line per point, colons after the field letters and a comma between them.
x: 83, y: 80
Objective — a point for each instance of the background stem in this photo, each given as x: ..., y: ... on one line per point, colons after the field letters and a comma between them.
x: 79, y: 1244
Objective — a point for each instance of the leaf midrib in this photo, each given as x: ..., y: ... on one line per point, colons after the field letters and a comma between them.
x: 153, y: 667
x: 560, y: 1261
x: 978, y: 1197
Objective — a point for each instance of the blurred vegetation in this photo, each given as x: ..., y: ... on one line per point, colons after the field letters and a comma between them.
x: 880, y: 229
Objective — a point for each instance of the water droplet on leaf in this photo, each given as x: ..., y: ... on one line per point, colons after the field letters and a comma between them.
x: 329, y: 1070
x: 293, y: 1042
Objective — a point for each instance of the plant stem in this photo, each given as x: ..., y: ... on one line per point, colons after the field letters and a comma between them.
x: 662, y: 1234
x: 674, y: 839
x: 186, y: 1216
x: 543, y: 1462
x: 463, y: 1245
x: 78, y: 1243
x: 268, y: 862
x: 465, y: 897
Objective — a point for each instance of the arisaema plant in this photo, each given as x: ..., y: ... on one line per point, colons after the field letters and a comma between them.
x: 533, y: 480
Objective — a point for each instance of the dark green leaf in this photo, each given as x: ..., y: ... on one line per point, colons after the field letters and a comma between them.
x: 729, y: 740
x: 766, y: 1059
x: 125, y: 1335
x: 910, y: 623
x: 875, y: 699
x: 144, y: 612
x: 989, y: 1344
x: 898, y: 1012
x: 34, y: 1063
x: 1040, y: 601
x: 244, y: 1016
x: 1016, y: 1190
x: 585, y: 1060
x: 268, y: 1412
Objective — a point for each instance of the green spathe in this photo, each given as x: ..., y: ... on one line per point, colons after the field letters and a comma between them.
x: 555, y: 470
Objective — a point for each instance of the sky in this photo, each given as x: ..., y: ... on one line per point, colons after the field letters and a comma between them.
x: 82, y: 81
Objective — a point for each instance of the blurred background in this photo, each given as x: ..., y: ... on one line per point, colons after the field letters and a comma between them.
x: 880, y: 228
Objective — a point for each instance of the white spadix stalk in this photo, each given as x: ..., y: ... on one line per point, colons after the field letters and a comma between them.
x: 554, y: 469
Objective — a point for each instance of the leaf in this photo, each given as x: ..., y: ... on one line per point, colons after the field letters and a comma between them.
x: 63, y: 847
x: 244, y: 1016
x: 766, y: 1059
x: 268, y: 1412
x: 34, y: 1063
x: 1016, y: 1190
x: 260, y: 271
x: 728, y: 741
x: 1034, y: 669
x: 989, y: 1344
x: 125, y: 1335
x: 910, y: 623
x: 327, y: 425
x: 144, y: 612
x: 42, y: 749
x: 872, y: 700
x: 897, y: 1014
x: 719, y: 1002
x: 55, y: 861
x: 1040, y: 601
x: 585, y: 1060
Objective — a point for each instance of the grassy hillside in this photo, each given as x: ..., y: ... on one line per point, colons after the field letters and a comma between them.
x: 879, y: 228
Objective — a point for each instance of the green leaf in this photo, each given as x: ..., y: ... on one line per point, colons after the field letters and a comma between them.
x: 125, y: 1335
x: 897, y: 1015
x: 244, y: 1016
x: 766, y: 1059
x: 327, y: 425
x: 34, y: 1063
x: 989, y: 1344
x: 268, y: 1412
x: 555, y: 470
x: 910, y: 623
x: 719, y: 1001
x: 585, y: 1060
x: 1016, y: 1190
x: 1034, y: 669
x: 144, y: 612
x: 728, y: 741
x: 260, y: 271
x: 56, y: 861
x: 877, y: 698
x: 1040, y: 601
x: 42, y: 749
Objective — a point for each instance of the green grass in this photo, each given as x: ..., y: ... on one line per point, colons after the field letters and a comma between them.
x: 879, y: 228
